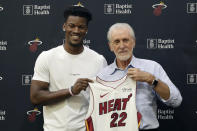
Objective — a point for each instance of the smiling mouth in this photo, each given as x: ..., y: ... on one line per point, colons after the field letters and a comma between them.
x: 76, y: 36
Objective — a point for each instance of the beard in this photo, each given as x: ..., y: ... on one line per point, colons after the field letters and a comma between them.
x: 124, y: 57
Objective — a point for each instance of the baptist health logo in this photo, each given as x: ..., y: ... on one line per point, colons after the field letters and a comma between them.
x: 36, y: 10
x: 3, y: 45
x: 117, y: 8
x: 191, y: 7
x: 191, y: 78
x: 167, y: 114
x: 26, y: 80
x: 160, y: 43
x: 86, y: 42
x: 1, y: 8
x: 1, y: 78
x: 2, y: 115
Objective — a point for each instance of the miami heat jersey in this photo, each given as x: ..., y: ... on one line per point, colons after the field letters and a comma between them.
x: 112, y: 106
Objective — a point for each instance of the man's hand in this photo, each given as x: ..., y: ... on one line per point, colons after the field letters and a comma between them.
x: 138, y: 75
x: 80, y: 84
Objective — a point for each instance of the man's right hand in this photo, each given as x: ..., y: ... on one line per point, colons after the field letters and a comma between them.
x: 80, y: 84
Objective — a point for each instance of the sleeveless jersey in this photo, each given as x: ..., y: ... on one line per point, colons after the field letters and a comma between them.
x: 112, y: 106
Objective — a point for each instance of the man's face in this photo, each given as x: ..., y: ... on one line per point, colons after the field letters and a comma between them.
x: 122, y: 44
x: 76, y: 28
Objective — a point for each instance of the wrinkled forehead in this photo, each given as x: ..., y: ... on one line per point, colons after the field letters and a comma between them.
x: 120, y: 33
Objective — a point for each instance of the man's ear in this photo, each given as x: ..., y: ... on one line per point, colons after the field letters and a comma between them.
x: 134, y: 44
x: 64, y: 27
x: 110, y: 47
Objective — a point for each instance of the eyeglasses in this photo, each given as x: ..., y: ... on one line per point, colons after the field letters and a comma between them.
x: 80, y: 27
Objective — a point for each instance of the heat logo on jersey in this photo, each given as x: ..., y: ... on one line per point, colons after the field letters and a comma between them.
x: 115, y: 105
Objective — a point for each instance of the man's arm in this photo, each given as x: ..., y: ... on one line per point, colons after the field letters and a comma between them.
x: 162, y: 89
x: 40, y: 94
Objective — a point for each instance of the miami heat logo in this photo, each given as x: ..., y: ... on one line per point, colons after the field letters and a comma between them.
x: 32, y: 114
x: 158, y: 8
x: 34, y: 44
x: 79, y: 4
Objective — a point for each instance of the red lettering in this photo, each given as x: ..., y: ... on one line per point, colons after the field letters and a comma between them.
x: 117, y: 105
x: 102, y: 108
x: 114, y: 117
x: 110, y: 105
x: 125, y: 100
x: 115, y: 122
x: 123, y: 116
x: 113, y: 105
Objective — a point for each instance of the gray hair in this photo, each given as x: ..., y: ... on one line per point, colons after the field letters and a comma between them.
x: 119, y: 26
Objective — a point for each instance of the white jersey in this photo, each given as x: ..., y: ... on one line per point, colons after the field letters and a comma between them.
x: 112, y: 106
x: 61, y: 70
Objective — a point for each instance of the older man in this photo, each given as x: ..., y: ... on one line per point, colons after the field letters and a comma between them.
x: 152, y: 80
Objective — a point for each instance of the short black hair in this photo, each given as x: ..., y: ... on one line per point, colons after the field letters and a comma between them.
x: 78, y: 11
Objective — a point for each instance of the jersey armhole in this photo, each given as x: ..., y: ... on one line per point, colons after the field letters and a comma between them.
x: 91, y: 105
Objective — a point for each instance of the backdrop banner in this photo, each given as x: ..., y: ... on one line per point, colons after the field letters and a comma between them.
x: 166, y: 32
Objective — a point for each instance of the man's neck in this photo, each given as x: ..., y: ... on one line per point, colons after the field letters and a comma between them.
x: 73, y: 49
x: 123, y: 64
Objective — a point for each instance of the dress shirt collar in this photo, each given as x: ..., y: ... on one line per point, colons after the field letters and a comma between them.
x: 114, y: 66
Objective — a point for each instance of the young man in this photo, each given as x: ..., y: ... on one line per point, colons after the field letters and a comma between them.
x: 61, y: 75
x: 152, y: 80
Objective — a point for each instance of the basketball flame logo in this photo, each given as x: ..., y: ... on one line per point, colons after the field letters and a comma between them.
x: 34, y: 44
x: 32, y: 114
x: 79, y: 4
x: 158, y: 8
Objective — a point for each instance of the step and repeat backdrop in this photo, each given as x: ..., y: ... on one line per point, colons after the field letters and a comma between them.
x: 166, y: 31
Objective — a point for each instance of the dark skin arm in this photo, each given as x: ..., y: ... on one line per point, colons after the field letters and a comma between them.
x: 40, y: 94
